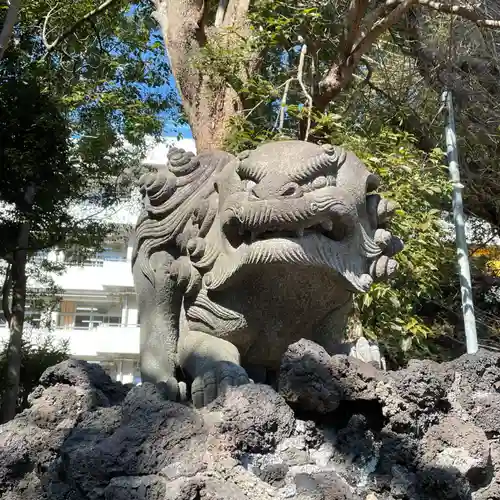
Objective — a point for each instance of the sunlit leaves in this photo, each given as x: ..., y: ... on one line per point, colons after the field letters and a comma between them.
x: 418, y: 183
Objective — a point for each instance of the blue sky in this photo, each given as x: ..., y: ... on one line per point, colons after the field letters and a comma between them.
x: 171, y: 129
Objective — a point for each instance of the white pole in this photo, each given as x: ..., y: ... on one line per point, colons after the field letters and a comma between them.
x: 458, y: 217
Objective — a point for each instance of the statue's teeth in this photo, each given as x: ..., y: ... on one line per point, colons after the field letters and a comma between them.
x: 327, y: 224
x: 253, y: 236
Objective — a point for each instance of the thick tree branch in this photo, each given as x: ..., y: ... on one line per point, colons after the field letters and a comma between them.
x: 462, y: 11
x: 375, y: 24
x: 280, y: 119
x: 221, y: 12
x: 357, y: 11
x: 8, y: 25
x: 380, y: 27
x: 341, y: 73
x: 70, y: 30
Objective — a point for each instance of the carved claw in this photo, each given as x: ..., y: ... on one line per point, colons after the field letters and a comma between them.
x: 196, y: 248
x: 172, y: 390
x: 215, y: 382
x: 385, y: 210
x: 187, y: 277
x: 383, y: 268
x: 372, y: 201
x: 243, y: 155
x: 379, y: 209
x: 382, y: 238
x: 366, y: 281
x: 390, y: 244
x: 395, y: 246
x: 182, y: 239
x: 200, y: 212
x: 368, y: 352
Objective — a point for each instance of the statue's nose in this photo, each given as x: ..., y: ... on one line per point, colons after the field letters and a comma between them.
x: 276, y: 186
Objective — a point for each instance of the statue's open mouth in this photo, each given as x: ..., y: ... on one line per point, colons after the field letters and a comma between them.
x: 326, y: 228
x: 334, y: 247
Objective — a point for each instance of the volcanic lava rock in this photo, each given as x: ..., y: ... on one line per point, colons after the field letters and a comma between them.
x: 417, y: 434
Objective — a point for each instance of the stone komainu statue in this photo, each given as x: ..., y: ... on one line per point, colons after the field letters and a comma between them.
x: 236, y: 258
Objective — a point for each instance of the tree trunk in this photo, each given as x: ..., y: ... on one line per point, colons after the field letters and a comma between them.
x: 16, y: 314
x: 16, y: 322
x: 209, y: 103
x: 8, y: 25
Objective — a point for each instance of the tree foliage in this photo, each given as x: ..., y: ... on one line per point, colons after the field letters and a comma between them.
x: 81, y: 89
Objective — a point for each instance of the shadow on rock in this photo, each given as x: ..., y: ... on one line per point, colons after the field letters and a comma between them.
x: 336, y: 429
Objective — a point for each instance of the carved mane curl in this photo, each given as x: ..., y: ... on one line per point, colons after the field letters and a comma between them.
x: 170, y: 197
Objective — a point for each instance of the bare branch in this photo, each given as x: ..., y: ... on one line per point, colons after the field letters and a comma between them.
x: 281, y: 115
x: 280, y: 119
x: 69, y: 31
x: 461, y: 11
x: 308, y: 96
x: 6, y: 288
x: 45, y: 24
x: 8, y: 25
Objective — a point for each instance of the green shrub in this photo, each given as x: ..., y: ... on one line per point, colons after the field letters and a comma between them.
x: 36, y: 357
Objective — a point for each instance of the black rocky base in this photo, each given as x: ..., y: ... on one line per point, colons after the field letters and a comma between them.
x: 339, y: 429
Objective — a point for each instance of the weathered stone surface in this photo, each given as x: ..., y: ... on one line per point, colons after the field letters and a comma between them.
x: 248, y: 445
x: 135, y: 488
x: 307, y: 379
x: 458, y: 445
x: 85, y: 375
x: 255, y: 417
x: 476, y: 389
x: 491, y: 490
x: 312, y: 380
x: 323, y: 486
x: 274, y: 474
x: 415, y: 398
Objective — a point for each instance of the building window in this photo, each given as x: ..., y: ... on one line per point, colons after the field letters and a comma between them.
x: 113, y: 252
x: 89, y: 315
x: 33, y: 318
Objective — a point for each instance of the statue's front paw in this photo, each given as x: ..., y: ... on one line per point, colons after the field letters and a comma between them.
x: 368, y: 352
x: 215, y: 381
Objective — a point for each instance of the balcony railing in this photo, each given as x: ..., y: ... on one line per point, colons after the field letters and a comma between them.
x: 88, y: 344
x: 97, y: 261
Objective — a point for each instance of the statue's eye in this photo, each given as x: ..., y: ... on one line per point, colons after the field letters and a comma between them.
x: 291, y: 189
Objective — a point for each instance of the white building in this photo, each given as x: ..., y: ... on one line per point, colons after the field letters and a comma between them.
x: 97, y: 313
